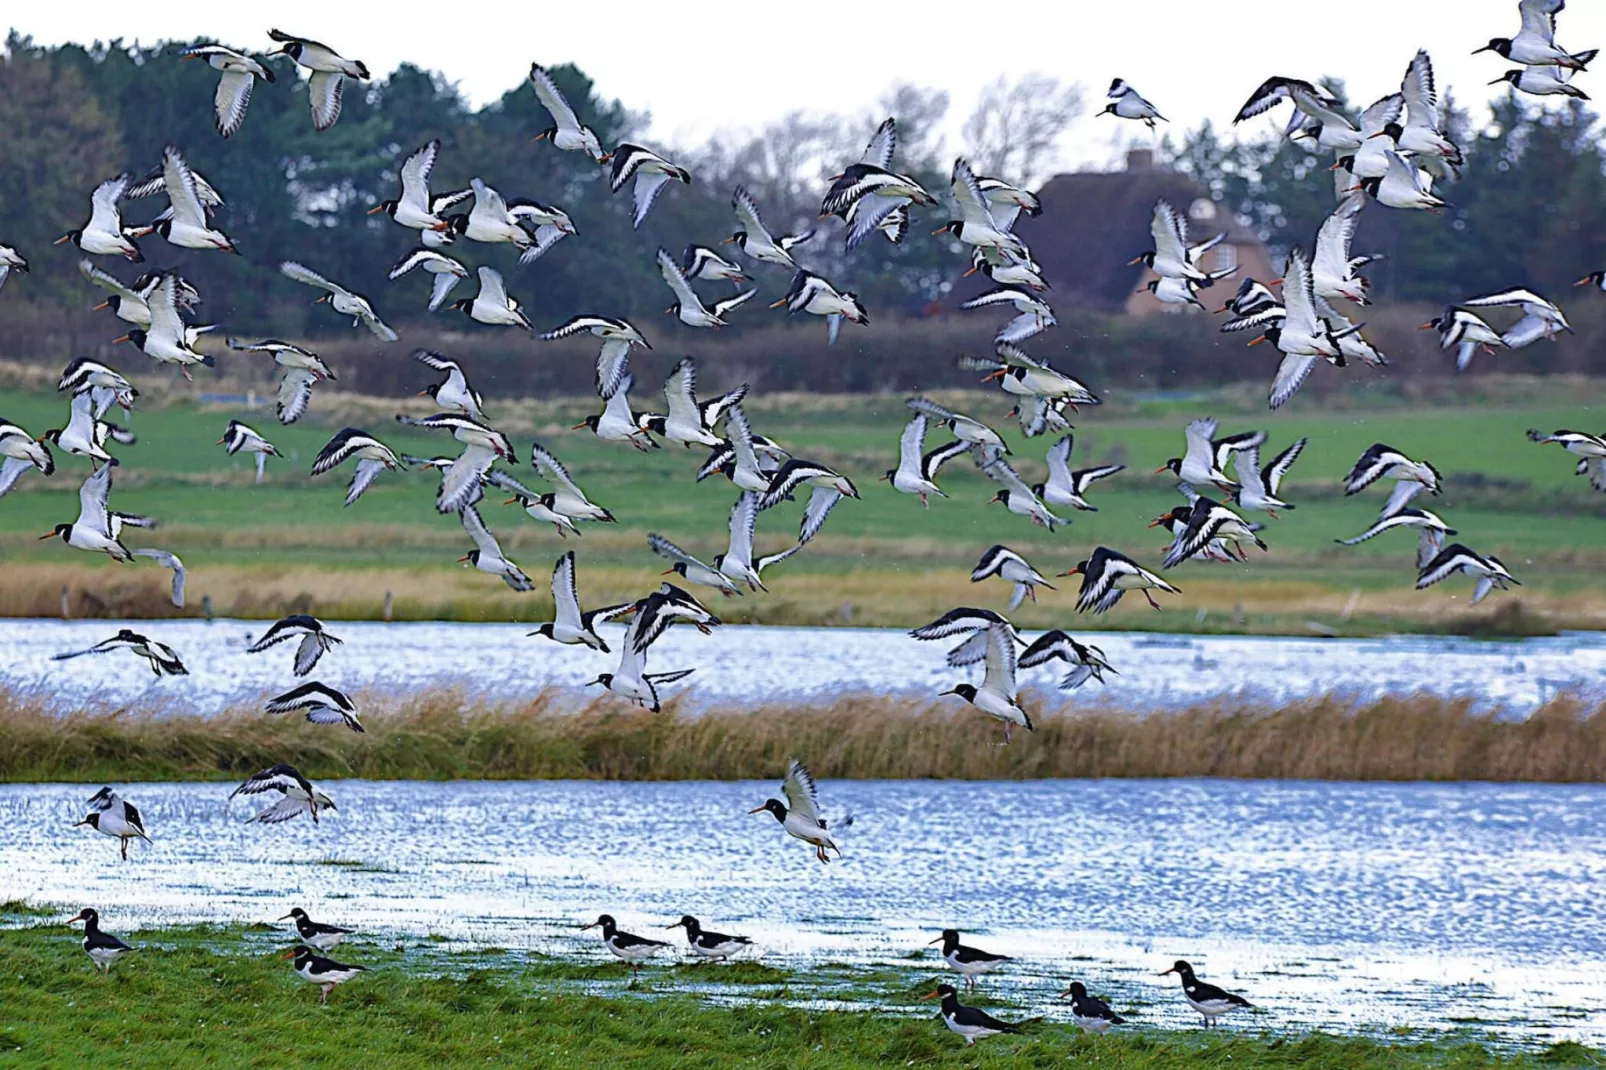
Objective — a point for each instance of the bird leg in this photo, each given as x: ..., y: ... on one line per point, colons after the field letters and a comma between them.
x: 925, y: 501
x: 324, y: 998
x: 1152, y: 603
x: 1273, y: 514
x: 125, y: 848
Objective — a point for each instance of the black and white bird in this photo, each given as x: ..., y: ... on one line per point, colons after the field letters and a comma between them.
x: 186, y: 224
x: 651, y: 173
x: 239, y: 75
x: 737, y: 562
x: 1307, y: 99
x: 965, y: 428
x: 487, y: 555
x: 1065, y: 487
x: 867, y: 192
x: 1089, y: 1012
x: 1546, y: 81
x: 98, y: 529
x: 112, y: 815
x: 1303, y: 336
x: 1127, y: 103
x: 1535, y: 43
x: 302, y: 368
x: 715, y: 947
x: 1016, y: 496
x: 699, y: 263
x: 168, y: 340
x: 313, y: 640
x: 85, y: 435
x: 316, y: 934
x: 1107, y: 575
x: 340, y: 299
x: 1399, y: 515
x: 755, y: 239
x: 1258, y: 487
x: 1171, y: 256
x: 1422, y: 136
x: 326, y: 81
x: 1464, y: 331
x: 1032, y: 314
x: 1206, y: 458
x: 238, y: 436
x: 631, y: 949
x: 687, y: 306
x: 1597, y: 279
x: 654, y: 614
x: 566, y: 131
x: 413, y: 207
x: 127, y: 302
x: 102, y: 948
x: 570, y: 625
x: 1380, y: 461
x: 296, y: 794
x: 104, y: 234
x: 1011, y: 567
x: 1210, y: 1001
x: 616, y: 331
x: 800, y: 815
x: 372, y: 457
x: 442, y: 270
x: 11, y: 260
x: 101, y: 381
x: 972, y: 1023
x: 815, y: 295
x: 455, y: 391
x: 976, y: 225
x: 1334, y: 273
x: 971, y: 962
x: 320, y: 703
x: 1487, y: 570
x: 748, y: 460
x: 689, y: 421
x: 917, y: 472
x: 1210, y: 521
x: 1024, y: 376
x: 566, y: 500
x: 996, y: 695
x: 1540, y: 318
x: 1254, y: 305
x: 829, y: 487
x: 492, y: 305
x: 535, y: 505
x: 690, y: 568
x: 616, y: 422
x: 1589, y: 449
x: 494, y: 220
x: 1403, y: 185
x: 323, y: 972
x: 1087, y: 662
x: 22, y: 453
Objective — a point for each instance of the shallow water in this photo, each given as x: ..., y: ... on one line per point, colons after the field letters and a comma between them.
x: 750, y: 664
x: 1333, y: 906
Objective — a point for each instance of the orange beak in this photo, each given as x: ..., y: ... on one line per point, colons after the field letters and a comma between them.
x: 778, y: 304
x: 376, y: 209
x: 103, y: 304
x: 124, y: 338
x: 756, y: 809
x: 62, y: 240
x: 579, y: 425
x: 930, y: 995
x: 288, y: 954
x: 220, y: 442
x: 1259, y: 340
x: 667, y: 572
x: 1428, y: 326
x: 462, y: 559
x: 1072, y: 572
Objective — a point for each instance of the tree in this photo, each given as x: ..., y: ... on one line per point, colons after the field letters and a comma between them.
x: 1015, y: 130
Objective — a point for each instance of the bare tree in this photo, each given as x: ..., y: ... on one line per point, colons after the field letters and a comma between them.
x: 1015, y: 130
x: 919, y: 112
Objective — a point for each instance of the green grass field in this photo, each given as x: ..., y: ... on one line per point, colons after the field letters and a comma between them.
x: 289, y: 542
x: 220, y: 997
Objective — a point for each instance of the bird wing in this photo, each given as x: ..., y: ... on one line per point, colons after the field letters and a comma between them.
x: 649, y: 184
x: 1400, y: 497
x: 1539, y: 17
x: 415, y: 176
x: 747, y: 215
x: 883, y: 144
x: 461, y: 485
x: 492, y: 288
x: 911, y: 442
x: 1274, y: 472
x: 1000, y: 671
x: 1382, y: 112
x: 441, y: 288
x: 565, y: 592
x: 1199, y: 435
x: 1451, y: 559
x: 92, y: 497
x: 664, y: 548
x: 1299, y: 297
x: 107, y: 281
x: 961, y: 621
x: 1421, y: 97
x: 168, y: 560
x: 303, y: 274
x: 179, y: 181
x: 1169, y: 232
x: 802, y: 797
x: 324, y: 90
x: 680, y: 392
x: 552, y: 468
x: 821, y: 502
x: 295, y: 393
x: 722, y: 308
x: 1291, y: 375
x: 676, y: 279
x: 366, y: 472
x: 1247, y: 463
x: 308, y: 651
x: 740, y: 434
x: 715, y: 408
x: 483, y: 539
x: 774, y: 559
x: 552, y: 99
x: 972, y: 203
x: 103, y: 212
x: 1333, y: 239
x: 613, y: 365
x: 743, y: 520
x: 934, y: 460
x: 163, y: 303
x: 281, y: 778
x: 281, y: 811
x: 232, y: 97
x: 930, y: 408
x: 1081, y: 479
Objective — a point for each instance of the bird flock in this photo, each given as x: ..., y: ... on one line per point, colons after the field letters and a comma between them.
x: 1389, y: 156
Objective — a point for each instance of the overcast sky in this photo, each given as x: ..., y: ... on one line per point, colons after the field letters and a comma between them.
x: 700, y: 68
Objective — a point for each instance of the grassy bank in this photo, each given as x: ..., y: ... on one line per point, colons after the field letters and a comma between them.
x: 448, y: 735
x: 288, y: 545
x: 192, y: 997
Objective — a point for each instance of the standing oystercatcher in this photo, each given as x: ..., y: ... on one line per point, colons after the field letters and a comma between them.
x: 969, y: 961
x: 1211, y: 1002
x: 320, y: 971
x: 102, y: 948
x: 969, y: 1022
x: 1090, y: 1012
x: 715, y: 947
x: 629, y: 948
x: 316, y: 933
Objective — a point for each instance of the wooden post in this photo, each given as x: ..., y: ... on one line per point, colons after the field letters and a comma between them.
x: 387, y: 607
x: 66, y: 603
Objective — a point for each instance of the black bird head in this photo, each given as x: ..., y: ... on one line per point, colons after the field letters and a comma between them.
x: 947, y: 993
x: 388, y: 207
x: 1172, y: 465
x: 1077, y: 991
x: 949, y: 938
x: 298, y: 914
x: 1001, y: 496
x: 1079, y: 570
x: 1182, y: 969
x: 773, y: 806
x: 89, y: 916
x: 689, y: 923
x: 62, y: 532
x: 1109, y: 109
x: 606, y: 680
x: 590, y: 421
x: 604, y: 922
x: 964, y: 691
x: 1146, y: 259
x: 1500, y: 45
x: 93, y: 821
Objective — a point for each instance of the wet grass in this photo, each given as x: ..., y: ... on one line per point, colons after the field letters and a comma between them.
x: 289, y: 545
x: 447, y: 734
x: 218, y: 996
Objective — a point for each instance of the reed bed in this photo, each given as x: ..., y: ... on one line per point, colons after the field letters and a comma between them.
x: 560, y: 734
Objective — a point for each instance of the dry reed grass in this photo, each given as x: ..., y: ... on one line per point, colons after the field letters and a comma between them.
x: 448, y: 734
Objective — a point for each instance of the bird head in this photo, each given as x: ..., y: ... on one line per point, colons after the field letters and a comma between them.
x: 1499, y: 45
x: 604, y: 922
x: 606, y: 680
x: 686, y: 922
x: 1001, y: 496
x: 86, y: 915
x: 1173, y: 465
x: 1146, y: 259
x: 679, y: 567
x: 964, y: 691
x: 472, y: 557
x: 1077, y: 991
x: 62, y: 532
x: 773, y: 806
x: 1080, y: 569
x: 383, y: 206
x: 297, y: 913
x: 1180, y: 968
x: 92, y: 820
x: 944, y: 992
x: 589, y: 421
x: 1164, y: 518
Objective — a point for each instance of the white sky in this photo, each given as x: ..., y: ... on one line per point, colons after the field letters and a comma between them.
x: 695, y: 68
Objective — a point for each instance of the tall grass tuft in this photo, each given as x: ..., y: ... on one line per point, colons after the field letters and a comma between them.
x: 449, y: 734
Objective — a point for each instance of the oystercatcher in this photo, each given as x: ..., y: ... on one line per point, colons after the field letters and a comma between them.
x: 163, y: 660
x: 650, y: 171
x: 969, y: 1022
x: 320, y: 971
x: 1127, y: 103
x: 297, y: 795
x: 315, y: 933
x: 238, y: 436
x: 340, y: 299
x: 320, y: 703
x: 327, y: 80
x: 566, y: 131
x: 801, y: 819
x: 1065, y: 487
x: 1107, y: 575
x: 1087, y: 662
x: 715, y: 947
x: 1589, y: 449
x: 971, y: 962
x: 916, y: 472
x: 1211, y: 1002
x: 629, y: 948
x: 571, y: 626
x: 1490, y: 573
x: 1090, y: 1012
x: 103, y: 949
x: 315, y: 641
x: 113, y: 815
x: 1380, y: 461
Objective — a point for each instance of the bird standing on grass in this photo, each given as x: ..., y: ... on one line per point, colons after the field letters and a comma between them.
x: 713, y: 947
x: 629, y: 948
x: 102, y: 948
x: 1090, y: 1012
x: 326, y: 973
x: 971, y: 1023
x: 1210, y: 1001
